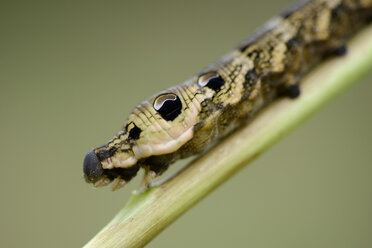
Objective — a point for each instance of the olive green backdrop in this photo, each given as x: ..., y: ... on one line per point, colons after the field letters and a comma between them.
x: 71, y: 71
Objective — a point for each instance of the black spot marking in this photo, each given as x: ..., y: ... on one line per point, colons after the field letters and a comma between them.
x: 134, y: 133
x: 211, y: 80
x: 168, y: 105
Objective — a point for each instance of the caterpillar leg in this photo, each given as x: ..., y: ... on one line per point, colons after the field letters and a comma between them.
x: 148, y: 178
x: 290, y: 88
x: 118, y: 183
x: 102, y: 182
x: 340, y: 51
x: 292, y: 91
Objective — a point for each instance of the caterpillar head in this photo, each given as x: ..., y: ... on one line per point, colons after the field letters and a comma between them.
x: 156, y: 127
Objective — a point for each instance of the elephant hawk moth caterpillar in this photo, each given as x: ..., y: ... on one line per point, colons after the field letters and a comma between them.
x: 186, y: 119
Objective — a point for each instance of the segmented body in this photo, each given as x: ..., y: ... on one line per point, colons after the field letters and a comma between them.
x: 186, y: 119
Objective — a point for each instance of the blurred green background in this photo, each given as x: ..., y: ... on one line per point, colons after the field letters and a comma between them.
x: 71, y: 71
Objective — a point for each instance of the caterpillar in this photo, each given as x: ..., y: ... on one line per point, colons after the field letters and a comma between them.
x: 187, y: 119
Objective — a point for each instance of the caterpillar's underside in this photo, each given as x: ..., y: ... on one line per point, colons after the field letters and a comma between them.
x: 186, y: 119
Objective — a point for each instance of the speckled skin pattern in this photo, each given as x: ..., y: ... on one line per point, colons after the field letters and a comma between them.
x: 187, y: 119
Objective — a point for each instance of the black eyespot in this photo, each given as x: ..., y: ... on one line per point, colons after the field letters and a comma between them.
x: 168, y: 105
x: 134, y: 133
x: 211, y: 80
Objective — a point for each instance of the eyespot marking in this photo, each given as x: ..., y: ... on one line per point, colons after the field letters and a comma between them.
x: 211, y: 80
x: 134, y: 132
x: 168, y: 105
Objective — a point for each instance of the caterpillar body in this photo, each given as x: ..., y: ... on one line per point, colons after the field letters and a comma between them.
x: 187, y: 119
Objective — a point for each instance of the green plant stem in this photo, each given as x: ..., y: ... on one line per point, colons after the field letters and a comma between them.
x: 148, y: 213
